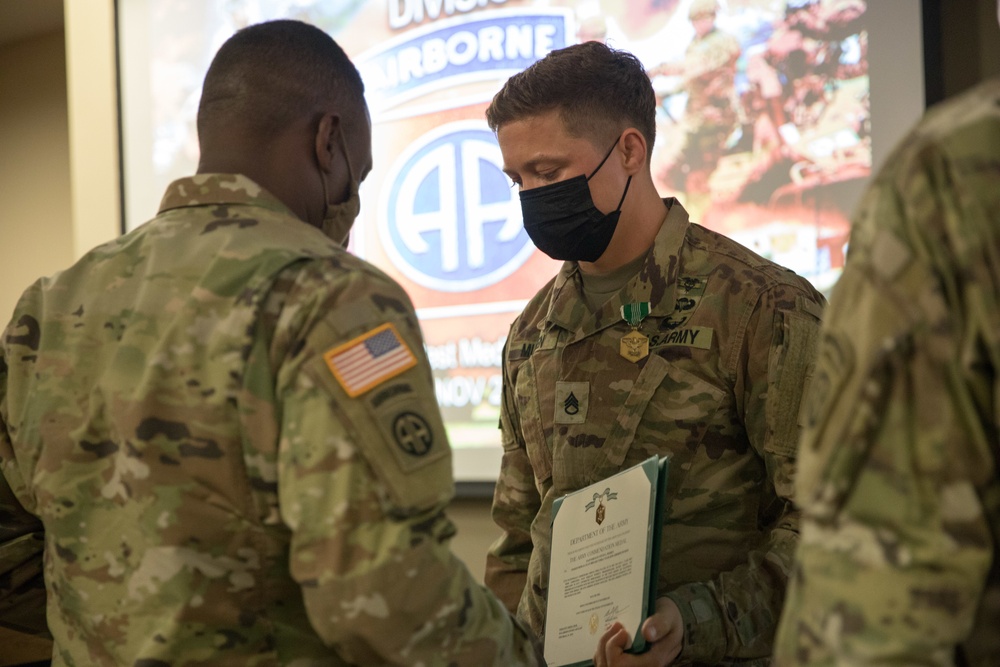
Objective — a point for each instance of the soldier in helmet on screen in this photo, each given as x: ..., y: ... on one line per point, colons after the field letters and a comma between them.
x: 708, y: 75
x: 221, y: 430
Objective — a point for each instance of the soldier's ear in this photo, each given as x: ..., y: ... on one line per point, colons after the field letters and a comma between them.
x: 326, y: 140
x: 635, y: 149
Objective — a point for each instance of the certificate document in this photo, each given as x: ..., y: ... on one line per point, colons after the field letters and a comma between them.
x: 605, y: 551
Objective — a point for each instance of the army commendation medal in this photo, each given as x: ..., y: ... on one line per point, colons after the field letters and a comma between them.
x: 634, y: 345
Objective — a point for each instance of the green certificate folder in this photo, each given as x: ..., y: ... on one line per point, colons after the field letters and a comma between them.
x: 605, y: 553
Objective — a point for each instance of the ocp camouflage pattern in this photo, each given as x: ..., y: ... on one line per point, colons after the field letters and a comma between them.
x: 207, y: 491
x: 731, y: 343
x: 898, y: 472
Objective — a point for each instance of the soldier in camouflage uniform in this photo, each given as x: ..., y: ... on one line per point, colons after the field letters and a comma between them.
x: 722, y: 344
x: 220, y: 429
x: 709, y: 79
x: 899, y: 485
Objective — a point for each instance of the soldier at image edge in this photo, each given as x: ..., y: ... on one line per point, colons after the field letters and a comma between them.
x: 218, y: 433
x: 657, y: 337
x: 898, y: 476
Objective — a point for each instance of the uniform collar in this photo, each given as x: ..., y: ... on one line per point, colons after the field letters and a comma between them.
x: 655, y: 282
x: 219, y: 189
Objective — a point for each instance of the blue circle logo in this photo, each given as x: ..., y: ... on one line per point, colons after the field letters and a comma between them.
x: 449, y: 219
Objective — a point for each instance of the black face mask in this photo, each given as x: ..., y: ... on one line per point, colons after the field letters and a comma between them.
x: 563, y: 222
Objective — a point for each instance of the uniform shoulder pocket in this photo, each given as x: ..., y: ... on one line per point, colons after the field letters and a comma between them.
x: 790, y: 368
x: 379, y: 381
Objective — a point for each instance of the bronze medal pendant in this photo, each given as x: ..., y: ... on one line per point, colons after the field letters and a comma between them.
x: 634, y: 345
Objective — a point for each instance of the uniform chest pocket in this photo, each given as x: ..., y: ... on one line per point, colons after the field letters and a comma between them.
x: 675, y: 418
x: 575, y: 420
x: 578, y: 432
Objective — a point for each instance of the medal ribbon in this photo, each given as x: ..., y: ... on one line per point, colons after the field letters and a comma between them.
x: 635, y: 313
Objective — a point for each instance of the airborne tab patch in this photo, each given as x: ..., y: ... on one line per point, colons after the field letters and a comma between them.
x: 369, y: 360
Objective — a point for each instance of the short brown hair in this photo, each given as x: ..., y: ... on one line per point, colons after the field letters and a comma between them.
x: 598, y: 91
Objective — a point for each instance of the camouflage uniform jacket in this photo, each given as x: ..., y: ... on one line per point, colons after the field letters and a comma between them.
x: 211, y: 493
x: 898, y: 562
x: 731, y: 339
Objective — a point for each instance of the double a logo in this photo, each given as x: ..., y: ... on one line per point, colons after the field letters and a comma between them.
x: 448, y: 217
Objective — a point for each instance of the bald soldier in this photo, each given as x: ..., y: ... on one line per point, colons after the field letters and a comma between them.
x: 899, y: 562
x: 220, y: 430
x: 657, y: 337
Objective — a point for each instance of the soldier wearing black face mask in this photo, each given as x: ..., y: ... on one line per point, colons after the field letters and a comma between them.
x: 563, y: 222
x: 657, y: 337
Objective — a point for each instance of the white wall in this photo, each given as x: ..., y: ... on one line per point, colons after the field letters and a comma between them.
x: 93, y: 122
x: 59, y: 192
x: 36, y: 231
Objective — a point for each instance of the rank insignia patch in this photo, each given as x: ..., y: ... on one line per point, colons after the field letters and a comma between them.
x: 571, y: 402
x: 369, y: 360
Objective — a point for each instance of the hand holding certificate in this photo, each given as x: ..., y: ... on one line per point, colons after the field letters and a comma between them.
x: 605, y: 551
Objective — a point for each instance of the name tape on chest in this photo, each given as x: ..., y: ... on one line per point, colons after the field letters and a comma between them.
x: 369, y: 360
x: 698, y: 337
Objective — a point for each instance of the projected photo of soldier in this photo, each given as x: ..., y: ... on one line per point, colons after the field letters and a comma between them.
x: 707, y: 74
x: 807, y: 79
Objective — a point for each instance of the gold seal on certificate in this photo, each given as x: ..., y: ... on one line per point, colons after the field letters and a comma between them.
x: 605, y: 551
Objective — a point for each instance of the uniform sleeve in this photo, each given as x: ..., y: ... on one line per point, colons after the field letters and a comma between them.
x: 898, y: 476
x: 364, y: 476
x: 735, y: 615
x: 515, y: 504
x: 22, y: 588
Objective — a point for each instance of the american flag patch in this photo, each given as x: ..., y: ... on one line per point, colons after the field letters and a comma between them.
x: 369, y: 360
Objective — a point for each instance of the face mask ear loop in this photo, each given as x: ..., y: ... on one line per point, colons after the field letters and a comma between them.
x: 622, y: 200
x: 350, y: 170
x: 326, y: 193
x: 343, y: 147
x: 604, y: 160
